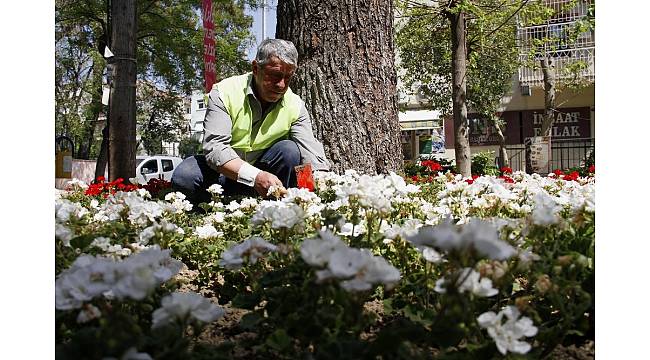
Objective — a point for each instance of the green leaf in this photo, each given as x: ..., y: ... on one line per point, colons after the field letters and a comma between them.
x: 246, y: 301
x: 83, y: 241
x: 250, y: 321
x: 279, y: 340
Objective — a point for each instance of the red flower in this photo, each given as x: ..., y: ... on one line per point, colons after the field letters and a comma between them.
x: 432, y: 165
x: 507, y: 179
x: 572, y: 176
x: 305, y: 177
x: 471, y: 181
x: 506, y: 170
x: 592, y: 169
x: 558, y: 172
x: 415, y: 178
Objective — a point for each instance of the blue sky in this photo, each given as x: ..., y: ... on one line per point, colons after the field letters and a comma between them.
x: 271, y: 6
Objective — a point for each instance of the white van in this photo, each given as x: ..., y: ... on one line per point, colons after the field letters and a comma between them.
x: 155, y: 166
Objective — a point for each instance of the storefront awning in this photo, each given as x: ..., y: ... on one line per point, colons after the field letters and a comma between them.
x: 419, y: 119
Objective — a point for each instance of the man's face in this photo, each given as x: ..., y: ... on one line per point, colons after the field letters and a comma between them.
x: 272, y: 79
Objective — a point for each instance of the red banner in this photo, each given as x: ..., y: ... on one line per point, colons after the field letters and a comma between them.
x: 208, y: 46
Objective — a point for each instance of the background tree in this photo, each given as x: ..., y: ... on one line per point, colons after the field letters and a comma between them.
x: 78, y: 78
x: 554, y: 42
x: 160, y: 119
x: 346, y: 76
x: 169, y: 53
x: 475, y: 40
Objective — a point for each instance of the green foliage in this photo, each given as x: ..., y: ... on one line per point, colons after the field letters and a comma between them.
x: 483, y: 164
x: 169, y: 58
x: 189, y: 146
x: 424, y: 41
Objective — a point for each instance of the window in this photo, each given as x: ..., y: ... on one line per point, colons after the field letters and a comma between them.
x: 150, y: 167
x: 201, y: 104
x: 167, y: 165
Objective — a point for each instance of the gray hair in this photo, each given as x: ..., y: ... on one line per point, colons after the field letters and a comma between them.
x: 283, y: 49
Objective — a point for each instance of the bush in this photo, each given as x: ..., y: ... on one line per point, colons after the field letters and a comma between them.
x: 483, y: 164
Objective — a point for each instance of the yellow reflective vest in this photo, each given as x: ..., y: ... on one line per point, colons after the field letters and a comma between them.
x: 275, y: 126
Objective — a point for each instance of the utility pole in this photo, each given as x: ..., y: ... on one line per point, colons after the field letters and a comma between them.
x: 263, y: 20
x: 121, y: 132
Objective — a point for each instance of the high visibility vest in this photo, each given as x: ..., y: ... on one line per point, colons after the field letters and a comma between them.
x: 275, y: 126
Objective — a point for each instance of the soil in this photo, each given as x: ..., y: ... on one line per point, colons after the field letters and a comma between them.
x: 227, y: 328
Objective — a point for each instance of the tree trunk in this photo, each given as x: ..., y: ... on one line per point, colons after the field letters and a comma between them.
x: 121, y: 132
x: 459, y: 92
x: 548, y: 71
x: 102, y: 158
x: 347, y: 78
x: 503, y: 152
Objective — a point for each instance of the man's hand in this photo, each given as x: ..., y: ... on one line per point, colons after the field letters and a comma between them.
x: 264, y: 180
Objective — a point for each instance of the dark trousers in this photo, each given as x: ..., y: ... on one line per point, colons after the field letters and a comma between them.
x: 193, y: 176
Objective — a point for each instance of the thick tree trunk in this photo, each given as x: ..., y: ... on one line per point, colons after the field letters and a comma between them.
x: 346, y: 76
x: 548, y: 71
x: 459, y: 92
x: 121, y: 132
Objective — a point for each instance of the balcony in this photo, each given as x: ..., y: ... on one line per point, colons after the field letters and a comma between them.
x: 553, y: 39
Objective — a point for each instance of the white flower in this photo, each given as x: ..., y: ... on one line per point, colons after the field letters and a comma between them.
x: 88, y: 313
x: 484, y: 237
x: 178, y: 203
x: 236, y: 214
x: 317, y: 251
x: 409, y: 228
x: 207, y: 232
x: 186, y: 307
x: 279, y: 214
x: 298, y: 195
x: 546, y: 210
x: 215, y: 189
x: 101, y: 242
x: 506, y: 335
x: 431, y: 255
x: 358, y: 269
x: 253, y: 248
x: 66, y: 210
x: 135, y: 277
x: 77, y: 184
x: 63, y: 233
x: 347, y: 228
x: 131, y: 354
x: 232, y: 206
x: 477, y: 233
x: 345, y: 262
x: 248, y: 204
x: 159, y: 229
x: 94, y: 204
x: 468, y: 280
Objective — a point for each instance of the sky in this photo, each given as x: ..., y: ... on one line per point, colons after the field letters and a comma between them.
x: 270, y: 10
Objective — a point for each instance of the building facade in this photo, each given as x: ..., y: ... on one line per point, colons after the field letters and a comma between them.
x: 522, y: 109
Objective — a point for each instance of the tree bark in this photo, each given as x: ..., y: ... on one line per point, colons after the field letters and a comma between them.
x: 503, y: 152
x: 459, y: 92
x: 548, y: 71
x: 121, y: 132
x: 347, y: 78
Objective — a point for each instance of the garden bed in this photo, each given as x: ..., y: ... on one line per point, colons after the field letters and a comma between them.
x: 436, y: 266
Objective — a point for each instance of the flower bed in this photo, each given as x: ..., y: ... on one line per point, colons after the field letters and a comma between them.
x: 462, y: 268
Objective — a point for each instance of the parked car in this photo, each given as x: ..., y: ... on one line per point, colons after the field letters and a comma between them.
x: 155, y: 166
